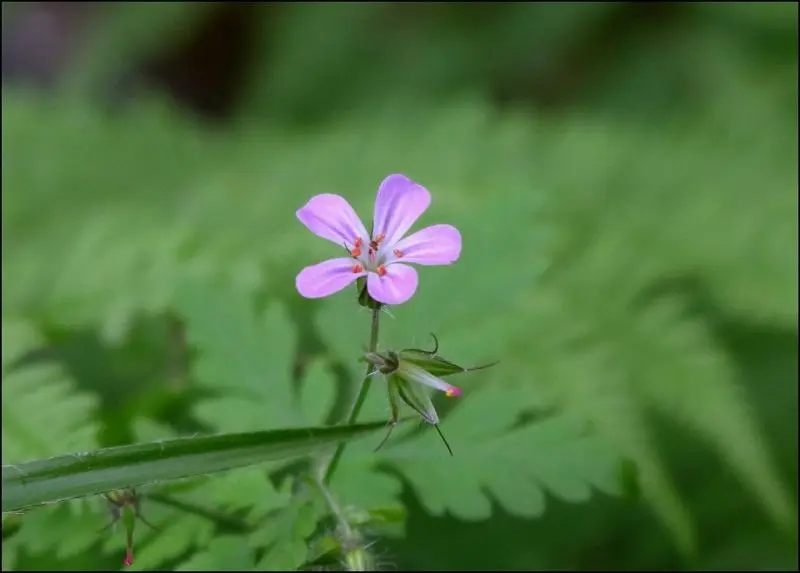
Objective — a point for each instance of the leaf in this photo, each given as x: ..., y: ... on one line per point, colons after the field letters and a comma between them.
x: 81, y: 474
x: 235, y: 501
x: 284, y: 535
x: 611, y: 364
x: 247, y: 361
x: 516, y: 466
x: 226, y: 552
x: 43, y: 413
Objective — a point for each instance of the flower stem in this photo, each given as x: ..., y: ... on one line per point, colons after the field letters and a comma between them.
x: 360, y: 398
x: 336, y: 510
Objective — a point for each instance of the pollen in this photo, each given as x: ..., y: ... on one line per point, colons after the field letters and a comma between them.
x: 381, y: 270
x: 398, y: 253
x: 357, y: 268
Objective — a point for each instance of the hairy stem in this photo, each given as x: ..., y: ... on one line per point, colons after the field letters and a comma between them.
x: 336, y: 510
x: 360, y: 398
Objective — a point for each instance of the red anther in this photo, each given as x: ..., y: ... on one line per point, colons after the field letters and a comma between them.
x: 357, y: 268
x: 356, y: 252
x: 376, y: 242
x: 398, y: 253
x: 381, y: 270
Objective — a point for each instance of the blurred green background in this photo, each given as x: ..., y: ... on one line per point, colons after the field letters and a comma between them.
x: 624, y: 176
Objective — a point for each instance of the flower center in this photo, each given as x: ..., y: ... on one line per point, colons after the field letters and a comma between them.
x: 375, y: 257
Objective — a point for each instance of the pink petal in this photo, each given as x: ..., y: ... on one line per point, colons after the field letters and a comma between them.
x: 434, y: 245
x: 395, y: 287
x: 398, y: 205
x: 327, y: 277
x: 331, y: 217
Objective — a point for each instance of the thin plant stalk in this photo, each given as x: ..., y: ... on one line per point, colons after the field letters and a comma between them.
x: 360, y: 398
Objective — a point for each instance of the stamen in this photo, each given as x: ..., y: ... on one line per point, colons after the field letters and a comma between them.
x: 357, y: 268
x: 398, y: 253
x: 376, y: 242
x: 452, y: 391
x: 356, y: 250
x: 381, y: 270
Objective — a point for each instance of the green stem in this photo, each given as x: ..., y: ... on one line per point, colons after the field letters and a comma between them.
x: 360, y: 398
x: 337, y: 512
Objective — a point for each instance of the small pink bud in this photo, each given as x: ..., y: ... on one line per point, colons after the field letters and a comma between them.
x: 128, y: 558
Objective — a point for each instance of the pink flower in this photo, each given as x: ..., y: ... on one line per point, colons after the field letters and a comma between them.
x: 381, y: 255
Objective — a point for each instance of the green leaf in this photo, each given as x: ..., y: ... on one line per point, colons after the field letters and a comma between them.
x: 284, y: 535
x: 224, y: 553
x: 193, y: 509
x: 247, y: 359
x: 515, y: 466
x: 81, y: 474
x: 43, y: 413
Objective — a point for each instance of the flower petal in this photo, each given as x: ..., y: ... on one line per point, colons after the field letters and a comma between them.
x: 395, y: 287
x: 327, y: 277
x: 398, y: 205
x: 331, y: 217
x: 434, y: 245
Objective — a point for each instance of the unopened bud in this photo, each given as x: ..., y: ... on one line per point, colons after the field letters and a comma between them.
x: 358, y: 559
x: 431, y: 362
x: 408, y: 371
x: 125, y: 506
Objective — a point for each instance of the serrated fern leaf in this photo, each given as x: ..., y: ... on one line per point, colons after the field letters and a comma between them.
x: 611, y: 363
x: 517, y: 467
x: 284, y: 535
x: 247, y: 359
x: 43, y: 415
x: 224, y: 553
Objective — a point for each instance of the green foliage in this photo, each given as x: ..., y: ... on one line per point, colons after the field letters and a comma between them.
x: 82, y: 474
x: 43, y: 415
x: 496, y: 461
x: 608, y: 249
x: 246, y: 361
x: 201, y: 514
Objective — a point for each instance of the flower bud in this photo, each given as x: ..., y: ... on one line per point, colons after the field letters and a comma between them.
x: 358, y: 559
x: 430, y: 361
x: 407, y: 372
x: 125, y: 506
